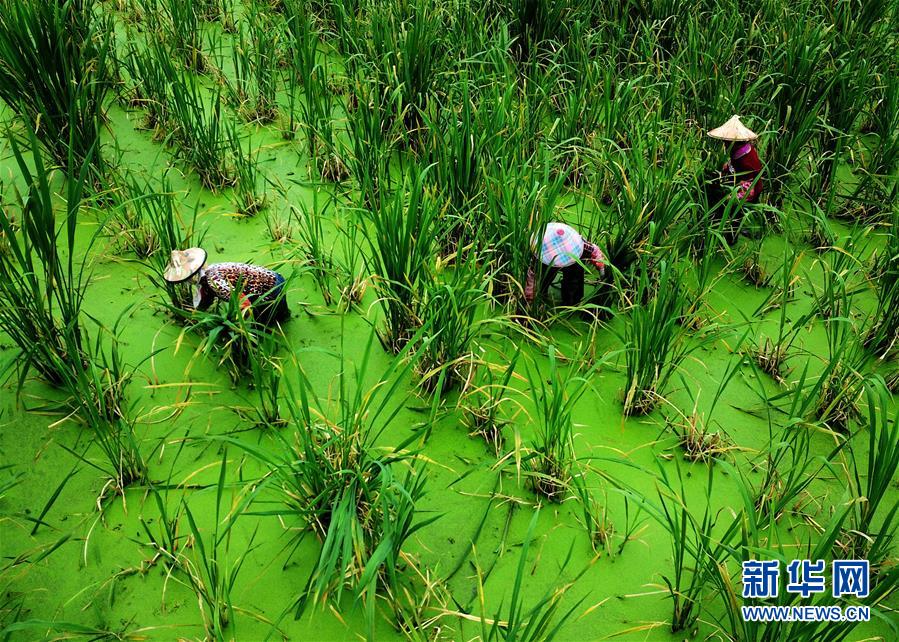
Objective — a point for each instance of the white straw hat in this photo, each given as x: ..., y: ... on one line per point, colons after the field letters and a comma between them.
x: 184, y: 264
x: 733, y: 130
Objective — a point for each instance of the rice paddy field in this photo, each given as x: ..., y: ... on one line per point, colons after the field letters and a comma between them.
x: 420, y: 452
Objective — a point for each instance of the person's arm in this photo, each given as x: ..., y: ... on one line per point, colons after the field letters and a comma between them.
x: 530, y: 284
x: 596, y: 257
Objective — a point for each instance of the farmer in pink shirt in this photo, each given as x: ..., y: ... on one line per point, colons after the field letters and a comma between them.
x: 562, y: 250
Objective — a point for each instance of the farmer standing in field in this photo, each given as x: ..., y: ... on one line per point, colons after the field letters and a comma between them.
x: 744, y: 168
x: 564, y: 251
x: 261, y: 290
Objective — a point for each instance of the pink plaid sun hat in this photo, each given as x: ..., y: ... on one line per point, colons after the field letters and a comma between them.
x: 562, y: 245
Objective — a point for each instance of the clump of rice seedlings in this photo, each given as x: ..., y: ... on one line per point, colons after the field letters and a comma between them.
x: 249, y: 185
x: 163, y: 532
x: 126, y: 225
x: 883, y: 333
x: 839, y: 267
x: 542, y: 620
x: 203, y: 135
x: 96, y: 385
x: 158, y: 214
x: 352, y: 494
x: 878, y: 185
x: 751, y: 266
x: 149, y: 70
x: 403, y: 51
x: 698, y: 441
x: 840, y: 386
x: 867, y: 528
x: 401, y: 235
x: 211, y: 567
x: 522, y: 195
x: 227, y: 333
x: 691, y: 544
x: 311, y: 71
x: 349, y: 260
x: 554, y: 395
x: 483, y: 399
x: 803, y: 82
x: 788, y: 464
x: 182, y: 26
x: 372, y: 139
x: 317, y: 255
x: 655, y: 183
x: 56, y: 74
x: 255, y: 59
x: 455, y: 147
x: 653, y: 338
x: 42, y: 286
x: 771, y: 354
x: 451, y: 301
x: 266, y: 372
x: 280, y: 227
x: 595, y: 516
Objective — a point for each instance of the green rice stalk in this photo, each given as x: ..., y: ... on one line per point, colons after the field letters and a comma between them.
x: 401, y: 236
x: 318, y: 256
x: 867, y: 527
x: 484, y: 399
x: 249, y: 187
x: 450, y: 303
x: 203, y: 136
x: 541, y: 620
x: 654, y: 338
x: 554, y: 395
x: 56, y: 74
x: 42, y: 284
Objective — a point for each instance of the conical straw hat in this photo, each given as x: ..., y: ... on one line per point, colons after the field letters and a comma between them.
x: 184, y: 264
x: 562, y: 245
x: 733, y: 130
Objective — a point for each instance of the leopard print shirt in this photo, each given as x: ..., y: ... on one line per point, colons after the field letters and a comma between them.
x: 255, y: 281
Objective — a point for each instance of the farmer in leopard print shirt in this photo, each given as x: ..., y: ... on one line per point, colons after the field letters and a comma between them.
x: 260, y: 290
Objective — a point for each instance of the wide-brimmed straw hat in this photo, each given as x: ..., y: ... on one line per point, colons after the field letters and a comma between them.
x: 184, y: 264
x: 561, y: 246
x: 733, y: 130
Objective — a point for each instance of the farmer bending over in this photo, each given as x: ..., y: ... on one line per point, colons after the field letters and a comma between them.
x: 562, y: 250
x: 261, y: 290
x: 744, y: 167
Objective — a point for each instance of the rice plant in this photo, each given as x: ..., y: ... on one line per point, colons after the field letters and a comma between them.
x: 404, y: 52
x: 359, y: 500
x: 254, y: 56
x: 401, y: 236
x: 56, y: 75
x: 211, y: 567
x: 884, y: 329
x: 452, y: 299
x: 654, y: 339
x: 42, y: 286
x: 484, y: 398
x: 552, y: 452
x: 310, y: 69
x: 96, y: 388
x: 541, y: 620
x: 866, y: 523
x: 182, y: 26
x: 771, y: 354
x: 317, y: 254
x: 249, y: 186
x: 202, y: 132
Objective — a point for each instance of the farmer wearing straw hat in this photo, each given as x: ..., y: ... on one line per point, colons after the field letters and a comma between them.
x: 744, y: 167
x: 261, y: 290
x: 563, y: 250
